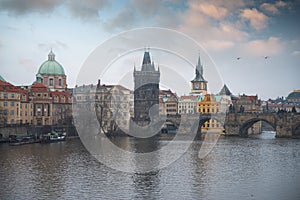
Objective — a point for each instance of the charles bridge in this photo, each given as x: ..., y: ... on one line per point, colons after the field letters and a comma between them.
x: 237, y: 124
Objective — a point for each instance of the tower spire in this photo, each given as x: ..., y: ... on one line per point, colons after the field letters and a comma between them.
x: 199, y: 67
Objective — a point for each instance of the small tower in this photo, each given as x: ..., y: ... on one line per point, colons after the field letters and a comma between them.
x: 199, y: 84
x: 146, y: 90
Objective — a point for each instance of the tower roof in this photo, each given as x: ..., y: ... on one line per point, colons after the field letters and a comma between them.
x: 225, y: 90
x: 199, y: 72
x: 51, y: 66
x: 146, y: 64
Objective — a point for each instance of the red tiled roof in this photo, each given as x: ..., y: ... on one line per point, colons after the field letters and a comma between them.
x: 39, y: 87
x: 189, y: 97
x: 61, y: 94
x: 8, y: 87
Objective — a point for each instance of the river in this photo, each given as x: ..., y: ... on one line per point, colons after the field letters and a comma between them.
x: 259, y: 167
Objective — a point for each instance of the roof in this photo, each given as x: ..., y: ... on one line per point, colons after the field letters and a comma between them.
x: 2, y: 79
x: 192, y: 97
x: 8, y: 87
x: 225, y: 91
x: 294, y: 94
x: 51, y: 66
x: 58, y: 94
x: 146, y: 64
x: 38, y: 87
x: 199, y: 72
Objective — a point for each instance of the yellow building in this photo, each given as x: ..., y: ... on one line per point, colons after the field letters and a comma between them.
x: 210, y: 105
x: 10, y: 102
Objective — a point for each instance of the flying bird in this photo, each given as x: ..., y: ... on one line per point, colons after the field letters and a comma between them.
x: 238, y: 58
x: 266, y: 57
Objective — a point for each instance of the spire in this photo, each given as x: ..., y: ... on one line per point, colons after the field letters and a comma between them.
x: 51, y: 55
x: 199, y: 67
x: 146, y: 64
x: 146, y: 59
x: 199, y: 71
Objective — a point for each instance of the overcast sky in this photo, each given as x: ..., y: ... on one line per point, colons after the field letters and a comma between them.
x: 227, y: 29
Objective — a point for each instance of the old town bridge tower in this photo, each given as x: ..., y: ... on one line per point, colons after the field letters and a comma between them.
x: 146, y: 91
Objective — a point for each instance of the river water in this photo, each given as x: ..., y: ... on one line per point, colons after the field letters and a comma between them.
x: 260, y: 167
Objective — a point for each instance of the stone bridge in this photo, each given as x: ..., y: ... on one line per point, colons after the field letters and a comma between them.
x: 285, y: 124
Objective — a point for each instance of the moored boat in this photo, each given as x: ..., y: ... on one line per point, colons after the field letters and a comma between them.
x: 53, y: 137
x: 16, y: 141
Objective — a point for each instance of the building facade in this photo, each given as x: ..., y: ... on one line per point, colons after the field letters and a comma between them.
x: 188, y: 104
x: 210, y: 105
x: 168, y: 102
x: 146, y: 91
x: 45, y: 102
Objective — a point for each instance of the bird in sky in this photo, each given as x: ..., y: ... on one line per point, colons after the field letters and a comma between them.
x: 238, y: 58
x: 266, y: 57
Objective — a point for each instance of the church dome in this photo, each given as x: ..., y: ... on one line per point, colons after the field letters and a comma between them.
x: 51, y: 66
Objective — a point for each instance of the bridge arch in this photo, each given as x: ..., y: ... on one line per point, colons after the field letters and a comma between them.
x: 249, y: 123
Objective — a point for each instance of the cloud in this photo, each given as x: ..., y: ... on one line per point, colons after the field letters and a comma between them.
x: 124, y: 19
x: 54, y: 45
x: 20, y: 7
x: 273, y: 8
x: 211, y: 10
x: 218, y: 45
x: 272, y: 46
x: 257, y: 19
x: 296, y: 53
x: 88, y: 9
x: 81, y: 9
x: 147, y: 8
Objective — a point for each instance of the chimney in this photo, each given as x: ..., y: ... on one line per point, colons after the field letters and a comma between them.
x: 99, y: 83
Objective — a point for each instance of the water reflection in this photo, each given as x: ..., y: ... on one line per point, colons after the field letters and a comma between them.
x: 237, y: 168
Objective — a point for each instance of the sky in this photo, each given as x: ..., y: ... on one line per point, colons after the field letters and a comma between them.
x: 225, y: 29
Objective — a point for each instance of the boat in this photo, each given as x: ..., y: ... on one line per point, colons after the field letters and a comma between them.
x: 16, y: 141
x: 53, y: 137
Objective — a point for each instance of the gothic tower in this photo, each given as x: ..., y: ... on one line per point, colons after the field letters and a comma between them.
x: 199, y: 84
x: 146, y: 91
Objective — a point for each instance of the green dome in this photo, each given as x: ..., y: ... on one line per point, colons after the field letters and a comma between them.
x: 51, y: 66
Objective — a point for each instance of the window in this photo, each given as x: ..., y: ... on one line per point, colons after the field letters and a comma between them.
x: 20, y: 105
x: 12, y: 95
x: 5, y: 103
x: 59, y: 82
x: 12, y: 103
x: 12, y: 112
x: 5, y: 95
x: 51, y: 81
